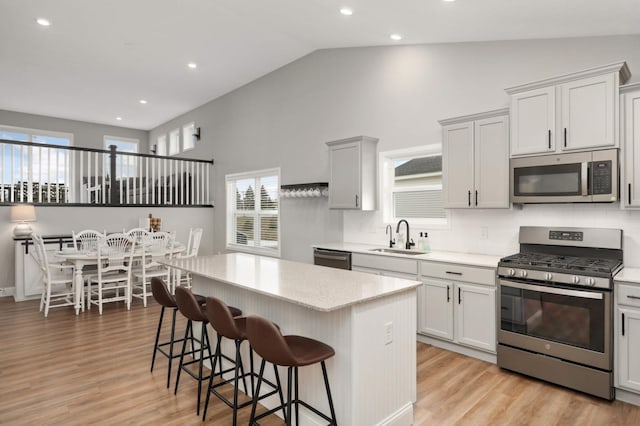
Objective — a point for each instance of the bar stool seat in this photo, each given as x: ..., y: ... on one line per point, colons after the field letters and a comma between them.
x: 291, y: 352
x: 223, y: 322
x: 194, y: 312
x: 162, y: 295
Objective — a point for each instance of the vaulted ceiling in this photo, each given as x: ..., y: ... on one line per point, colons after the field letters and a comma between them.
x: 99, y: 58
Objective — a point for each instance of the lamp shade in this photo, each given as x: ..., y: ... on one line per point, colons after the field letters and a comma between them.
x: 23, y: 213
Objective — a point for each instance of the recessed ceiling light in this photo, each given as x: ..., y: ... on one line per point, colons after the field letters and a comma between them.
x: 395, y: 37
x: 192, y: 65
x: 119, y: 118
x: 346, y: 11
x: 143, y: 101
x: 449, y: 1
x: 43, y: 22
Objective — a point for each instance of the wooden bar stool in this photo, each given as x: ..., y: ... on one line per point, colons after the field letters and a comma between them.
x: 162, y: 295
x: 291, y: 352
x: 226, y: 325
x: 194, y: 312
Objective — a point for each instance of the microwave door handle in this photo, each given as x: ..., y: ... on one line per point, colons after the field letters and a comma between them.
x: 585, y: 178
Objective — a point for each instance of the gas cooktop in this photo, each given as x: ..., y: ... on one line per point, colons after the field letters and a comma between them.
x: 563, y: 264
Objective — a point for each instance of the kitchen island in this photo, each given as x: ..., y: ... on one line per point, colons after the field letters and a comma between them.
x: 369, y: 320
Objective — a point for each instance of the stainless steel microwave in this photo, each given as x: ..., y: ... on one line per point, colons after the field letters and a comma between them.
x: 580, y: 177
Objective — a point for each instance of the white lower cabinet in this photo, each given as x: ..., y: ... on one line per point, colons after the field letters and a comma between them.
x: 627, y: 341
x: 435, y: 316
x: 455, y: 310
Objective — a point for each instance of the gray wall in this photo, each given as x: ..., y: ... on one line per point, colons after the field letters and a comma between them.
x: 396, y: 94
x: 87, y: 135
x: 62, y: 220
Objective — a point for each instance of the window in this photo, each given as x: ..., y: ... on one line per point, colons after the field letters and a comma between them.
x: 34, y: 174
x: 253, y: 221
x: 411, y: 185
x: 188, y: 140
x: 125, y: 164
x: 161, y: 145
x: 174, y: 142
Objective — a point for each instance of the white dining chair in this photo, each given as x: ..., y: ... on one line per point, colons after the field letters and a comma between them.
x: 87, y: 240
x: 155, y: 246
x: 137, y: 233
x: 57, y: 279
x: 181, y: 278
x: 112, y: 283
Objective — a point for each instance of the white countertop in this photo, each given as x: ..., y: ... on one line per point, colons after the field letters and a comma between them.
x: 315, y: 287
x: 630, y: 275
x: 472, y: 259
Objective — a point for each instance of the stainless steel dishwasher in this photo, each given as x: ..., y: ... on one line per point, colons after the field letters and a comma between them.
x: 332, y: 258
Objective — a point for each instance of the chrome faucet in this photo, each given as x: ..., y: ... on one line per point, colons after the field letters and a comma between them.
x: 389, y: 231
x: 409, y: 241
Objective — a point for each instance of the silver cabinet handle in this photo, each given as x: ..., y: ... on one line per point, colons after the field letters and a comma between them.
x: 453, y: 273
x: 585, y: 178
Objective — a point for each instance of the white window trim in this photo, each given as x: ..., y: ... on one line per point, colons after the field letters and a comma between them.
x: 164, y: 145
x: 120, y: 138
x: 193, y: 139
x: 39, y: 132
x: 229, y: 213
x: 169, y: 147
x: 385, y: 185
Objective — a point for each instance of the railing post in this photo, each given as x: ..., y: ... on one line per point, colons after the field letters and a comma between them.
x: 113, y: 191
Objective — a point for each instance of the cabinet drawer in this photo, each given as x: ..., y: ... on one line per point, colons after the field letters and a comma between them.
x: 628, y: 294
x: 450, y: 271
x: 386, y: 263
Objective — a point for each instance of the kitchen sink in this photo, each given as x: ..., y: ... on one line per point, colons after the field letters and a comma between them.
x: 397, y: 251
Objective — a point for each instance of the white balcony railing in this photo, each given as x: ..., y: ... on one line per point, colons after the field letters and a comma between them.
x: 52, y: 174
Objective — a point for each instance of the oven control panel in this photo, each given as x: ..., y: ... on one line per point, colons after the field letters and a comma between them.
x: 566, y: 235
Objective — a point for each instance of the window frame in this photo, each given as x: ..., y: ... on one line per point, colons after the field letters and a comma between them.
x: 387, y: 188
x: 132, y: 169
x: 163, y: 144
x: 170, y: 147
x: 191, y: 138
x: 230, y: 228
x: 28, y: 174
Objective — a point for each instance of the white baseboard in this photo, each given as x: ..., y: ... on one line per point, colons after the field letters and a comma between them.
x: 402, y: 417
x: 453, y: 347
x: 628, y: 397
x: 7, y: 291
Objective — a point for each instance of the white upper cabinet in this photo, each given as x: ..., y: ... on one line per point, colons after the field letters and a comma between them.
x: 630, y: 191
x: 533, y: 118
x: 475, y: 155
x: 588, y: 119
x: 353, y: 173
x: 574, y: 112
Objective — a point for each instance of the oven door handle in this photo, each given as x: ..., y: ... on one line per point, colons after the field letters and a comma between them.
x: 553, y: 290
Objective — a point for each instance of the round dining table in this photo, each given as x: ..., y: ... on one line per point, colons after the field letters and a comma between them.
x: 80, y: 259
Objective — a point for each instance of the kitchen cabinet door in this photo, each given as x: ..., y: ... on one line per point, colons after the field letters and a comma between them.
x: 28, y: 276
x: 533, y: 121
x: 475, y: 316
x: 491, y: 158
x: 588, y: 116
x: 353, y: 173
x: 436, y: 308
x: 344, y: 186
x: 458, y: 167
x: 628, y: 348
x: 631, y: 134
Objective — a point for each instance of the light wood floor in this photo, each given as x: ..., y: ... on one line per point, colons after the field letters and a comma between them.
x: 91, y: 369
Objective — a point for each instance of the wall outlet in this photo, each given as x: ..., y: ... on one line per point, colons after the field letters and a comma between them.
x: 388, y: 333
x: 484, y: 232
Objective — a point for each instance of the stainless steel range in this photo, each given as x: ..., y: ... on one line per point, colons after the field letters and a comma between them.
x: 556, y: 319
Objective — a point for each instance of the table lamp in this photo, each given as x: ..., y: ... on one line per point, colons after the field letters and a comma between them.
x: 22, y: 214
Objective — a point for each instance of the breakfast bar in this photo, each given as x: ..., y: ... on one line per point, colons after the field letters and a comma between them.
x: 369, y: 320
